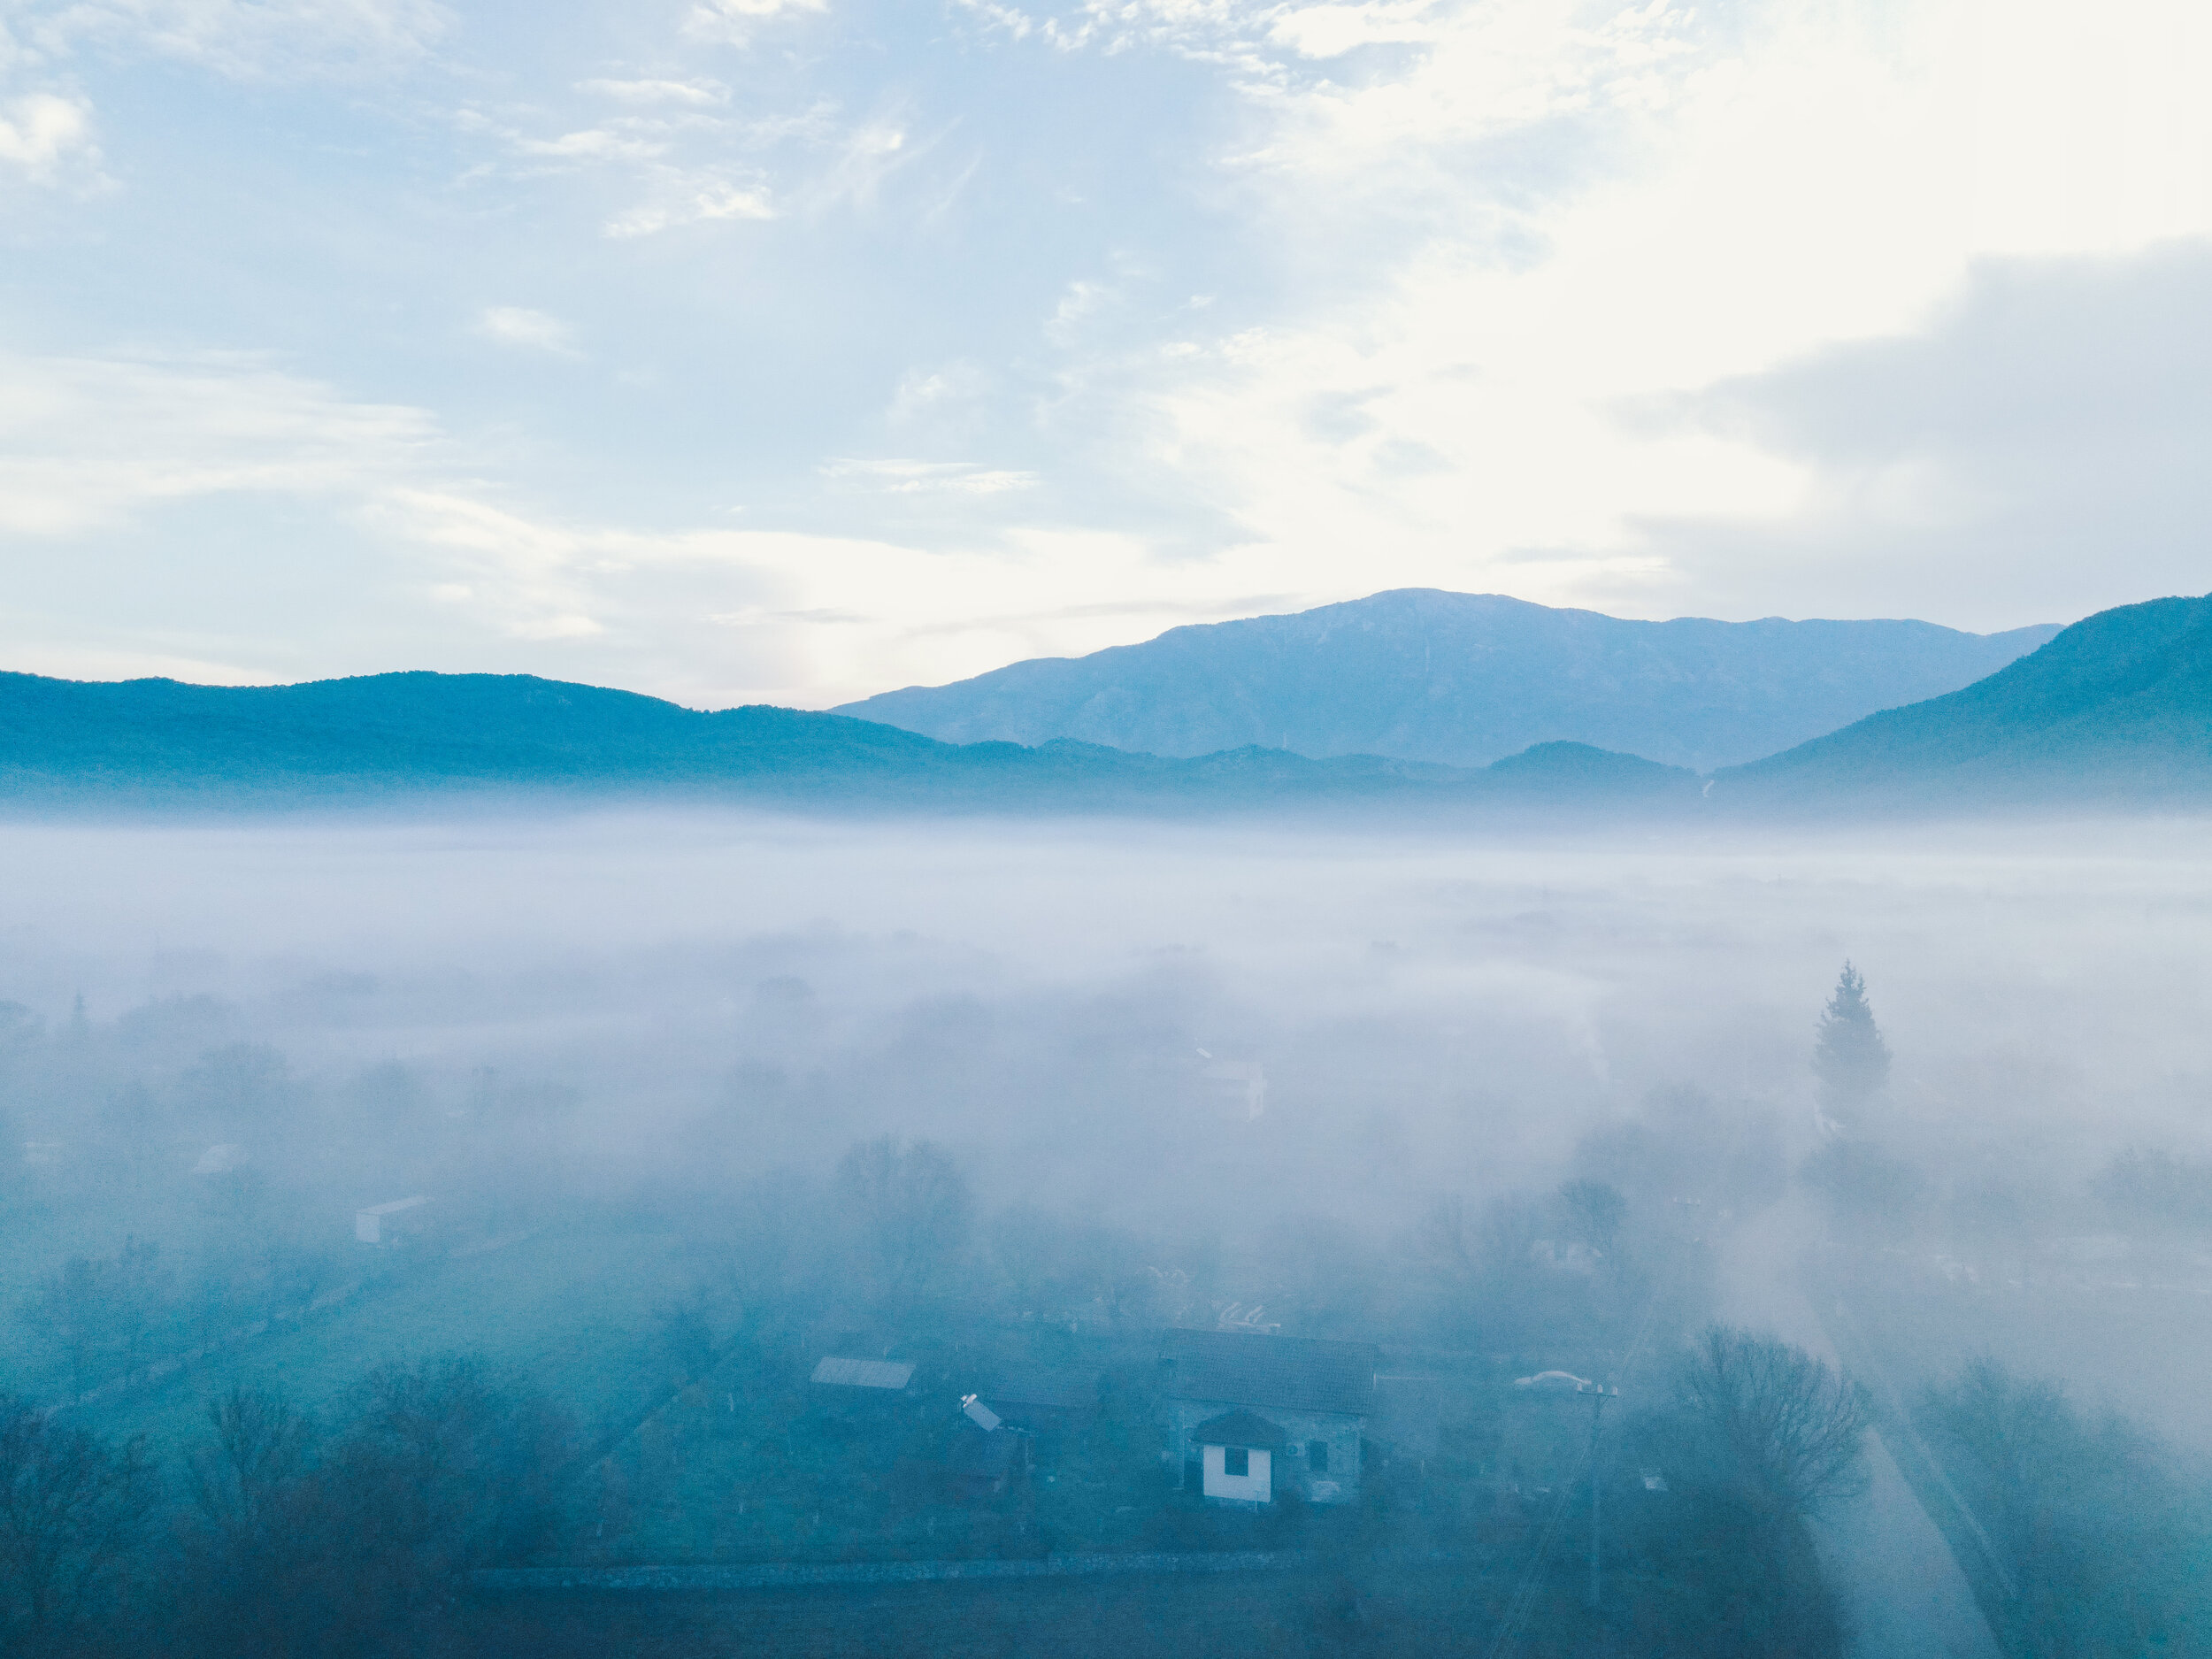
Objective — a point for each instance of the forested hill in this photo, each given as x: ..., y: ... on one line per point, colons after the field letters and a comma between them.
x: 2115, y: 711
x: 160, y: 742
x: 1465, y: 679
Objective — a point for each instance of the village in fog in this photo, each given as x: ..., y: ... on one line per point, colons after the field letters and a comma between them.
x: 840, y: 1200
x: 1105, y: 829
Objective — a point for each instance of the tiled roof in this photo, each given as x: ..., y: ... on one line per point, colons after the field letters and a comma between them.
x: 1238, y: 1428
x: 1290, y: 1373
x: 1062, y: 1387
x: 864, y: 1373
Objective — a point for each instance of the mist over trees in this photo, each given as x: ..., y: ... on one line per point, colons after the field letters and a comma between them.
x: 75, y: 1512
x: 2104, y: 1533
x: 1510, y: 1141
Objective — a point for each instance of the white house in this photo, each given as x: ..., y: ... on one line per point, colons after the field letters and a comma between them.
x: 1251, y: 1416
x: 1237, y: 1451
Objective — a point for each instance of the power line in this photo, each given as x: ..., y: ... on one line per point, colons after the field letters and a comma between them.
x: 1530, y: 1586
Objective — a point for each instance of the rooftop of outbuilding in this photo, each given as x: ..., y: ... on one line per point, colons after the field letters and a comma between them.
x: 864, y: 1373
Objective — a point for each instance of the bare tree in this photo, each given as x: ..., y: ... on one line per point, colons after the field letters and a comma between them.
x: 2098, y: 1521
x: 65, y: 1312
x: 242, y: 1087
x: 765, y: 1247
x: 249, y: 1583
x: 912, y: 1208
x: 103, y: 1311
x: 1321, y: 1279
x: 355, y: 1546
x: 71, y: 1508
x: 1770, y: 1422
x: 140, y: 1297
x: 1507, y: 1236
x: 1594, y: 1210
x: 261, y: 1445
x: 1445, y: 1240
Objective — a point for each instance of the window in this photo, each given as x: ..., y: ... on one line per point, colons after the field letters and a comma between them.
x: 1236, y: 1461
x: 1318, y: 1456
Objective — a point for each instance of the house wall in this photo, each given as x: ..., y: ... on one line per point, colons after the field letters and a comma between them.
x: 1254, y: 1488
x: 1340, y: 1434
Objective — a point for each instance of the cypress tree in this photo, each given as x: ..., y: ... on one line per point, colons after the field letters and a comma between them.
x: 1850, y: 1060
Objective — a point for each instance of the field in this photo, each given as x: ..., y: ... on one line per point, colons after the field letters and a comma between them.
x: 571, y: 1311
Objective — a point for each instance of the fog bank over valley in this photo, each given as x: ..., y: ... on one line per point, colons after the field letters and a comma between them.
x: 707, y: 997
x: 642, y: 1120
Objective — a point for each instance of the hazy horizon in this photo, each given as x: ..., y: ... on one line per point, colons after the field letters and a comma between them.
x: 792, y: 351
x: 1518, y: 1137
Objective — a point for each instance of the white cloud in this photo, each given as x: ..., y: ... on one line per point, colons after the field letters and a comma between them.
x: 927, y: 391
x: 1013, y: 20
x: 681, y: 197
x: 243, y: 39
x: 861, y: 157
x: 914, y: 478
x: 42, y: 135
x: 91, y: 443
x: 595, y: 143
x: 2057, y: 405
x: 794, y: 617
x: 97, y: 445
x: 1463, y: 252
x: 674, y: 192
x: 712, y: 615
x: 695, y: 94
x: 733, y: 22
x: 1080, y: 301
x: 1330, y: 31
x: 96, y: 662
x: 519, y: 325
x: 1545, y: 212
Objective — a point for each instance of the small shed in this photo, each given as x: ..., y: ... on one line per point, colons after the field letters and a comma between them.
x: 384, y: 1224
x: 1039, y: 1397
x: 221, y: 1160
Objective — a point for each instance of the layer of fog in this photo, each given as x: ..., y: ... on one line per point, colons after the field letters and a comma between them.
x: 706, y: 997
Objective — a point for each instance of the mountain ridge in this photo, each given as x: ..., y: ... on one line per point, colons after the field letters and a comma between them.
x: 415, y: 734
x: 1463, y: 680
x: 2114, y: 711
x: 2116, y: 707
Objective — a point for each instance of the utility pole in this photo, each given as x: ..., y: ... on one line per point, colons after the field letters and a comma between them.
x: 1599, y: 1396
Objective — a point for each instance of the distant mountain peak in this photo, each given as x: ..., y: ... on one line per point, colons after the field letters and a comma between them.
x: 1463, y: 680
x: 2114, y: 712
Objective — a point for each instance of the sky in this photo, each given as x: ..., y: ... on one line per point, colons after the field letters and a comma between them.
x: 792, y: 351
